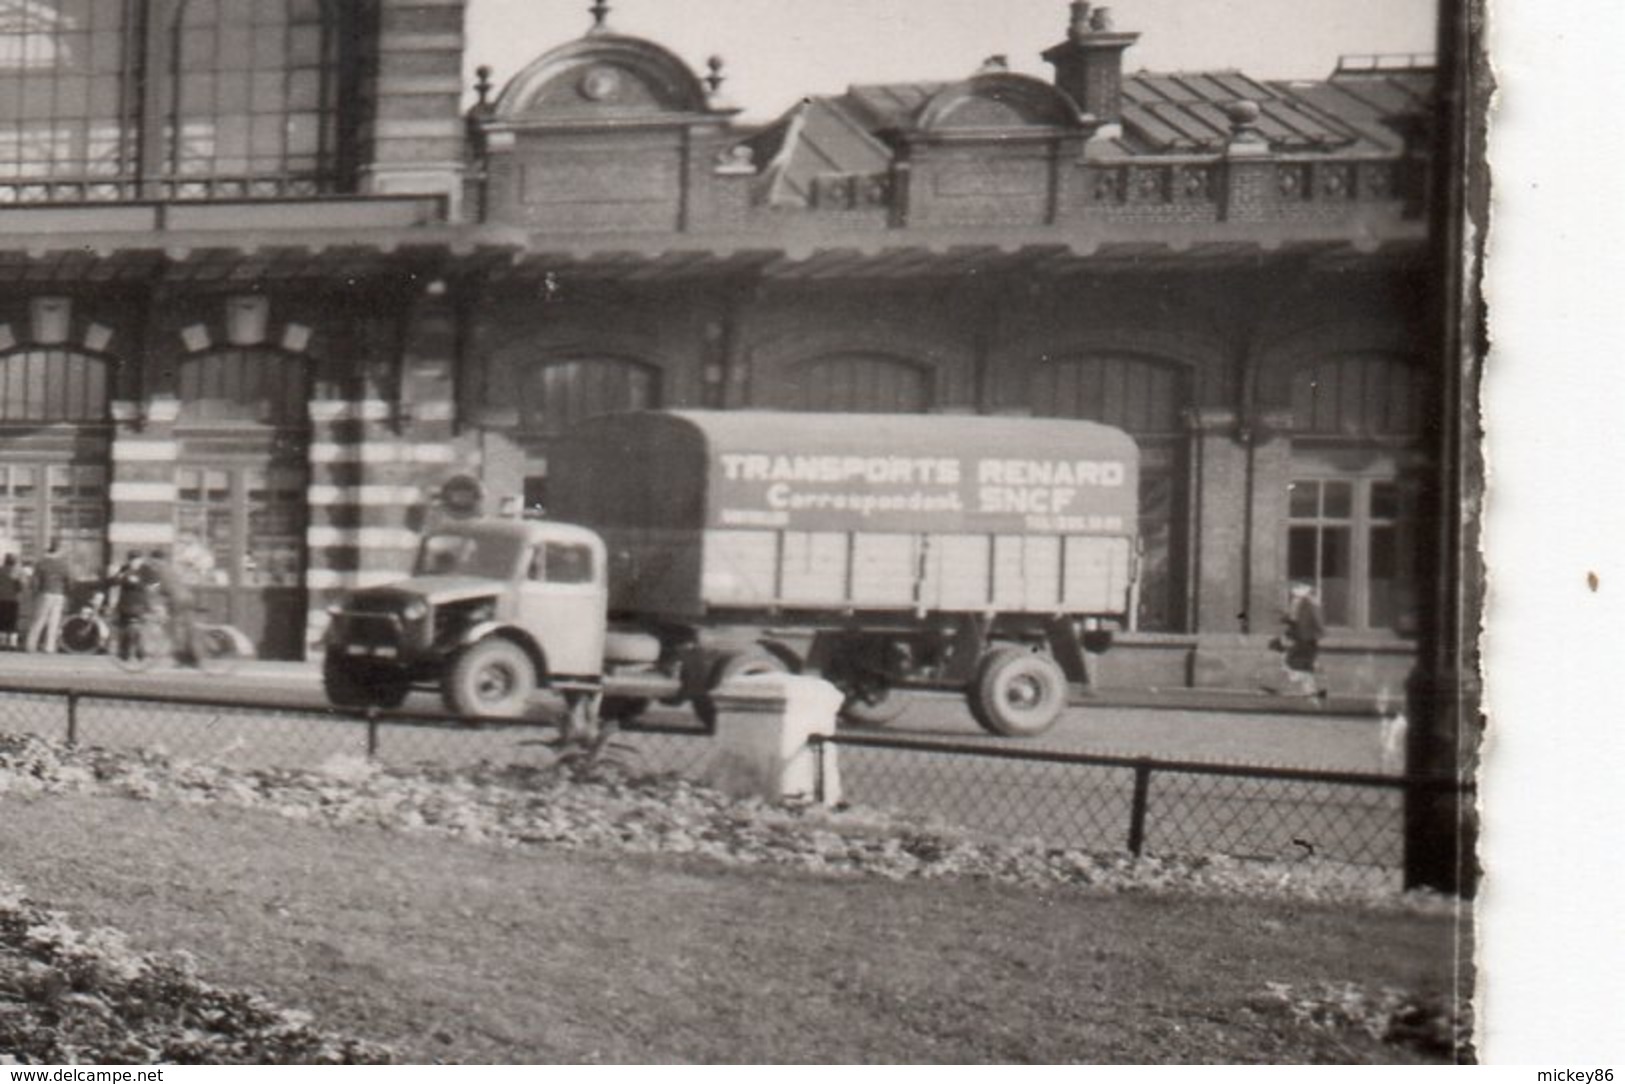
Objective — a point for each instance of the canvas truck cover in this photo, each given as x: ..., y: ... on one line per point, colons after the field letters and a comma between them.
x: 682, y: 480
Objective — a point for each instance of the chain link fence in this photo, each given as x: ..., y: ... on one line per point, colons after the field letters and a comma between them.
x: 258, y: 735
x: 1352, y: 822
x: 1097, y: 803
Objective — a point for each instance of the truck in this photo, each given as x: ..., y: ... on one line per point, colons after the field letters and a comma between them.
x: 990, y: 556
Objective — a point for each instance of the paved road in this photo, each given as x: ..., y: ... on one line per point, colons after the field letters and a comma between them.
x: 1279, y: 734
x: 1274, y: 734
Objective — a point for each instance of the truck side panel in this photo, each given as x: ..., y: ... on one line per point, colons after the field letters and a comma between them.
x: 884, y: 568
x: 812, y: 568
x: 1026, y: 573
x: 956, y: 572
x: 1098, y: 574
x: 883, y: 571
x: 741, y: 567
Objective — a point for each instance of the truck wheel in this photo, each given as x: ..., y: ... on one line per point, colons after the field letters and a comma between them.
x: 736, y: 664
x: 1017, y: 693
x: 878, y: 708
x: 492, y: 678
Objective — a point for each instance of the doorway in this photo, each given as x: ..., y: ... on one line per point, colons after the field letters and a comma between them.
x: 240, y: 539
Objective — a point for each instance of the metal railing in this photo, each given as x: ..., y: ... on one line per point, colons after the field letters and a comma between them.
x: 1141, y: 805
x: 257, y: 734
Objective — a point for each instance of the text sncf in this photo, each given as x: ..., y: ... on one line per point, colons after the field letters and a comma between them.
x: 1041, y: 487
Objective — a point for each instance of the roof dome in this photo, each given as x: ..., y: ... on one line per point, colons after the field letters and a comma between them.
x: 600, y: 77
x: 998, y: 99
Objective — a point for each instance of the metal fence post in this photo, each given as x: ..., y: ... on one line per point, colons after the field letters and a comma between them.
x: 815, y: 745
x: 73, y: 717
x: 1136, y: 823
x: 372, y: 732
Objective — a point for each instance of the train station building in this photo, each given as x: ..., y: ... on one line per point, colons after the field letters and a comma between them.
x: 273, y: 297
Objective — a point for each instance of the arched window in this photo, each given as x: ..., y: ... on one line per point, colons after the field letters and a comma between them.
x: 856, y: 384
x: 245, y: 384
x: 254, y: 100
x: 68, y: 111
x: 1357, y: 395
x: 558, y: 394
x: 1139, y: 395
x: 1146, y: 398
x: 51, y: 384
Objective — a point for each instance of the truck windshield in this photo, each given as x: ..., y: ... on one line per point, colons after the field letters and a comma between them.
x: 490, y: 556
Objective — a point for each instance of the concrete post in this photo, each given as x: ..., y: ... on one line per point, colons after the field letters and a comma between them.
x: 762, y: 747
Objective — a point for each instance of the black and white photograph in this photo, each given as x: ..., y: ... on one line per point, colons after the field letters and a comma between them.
x: 743, y: 531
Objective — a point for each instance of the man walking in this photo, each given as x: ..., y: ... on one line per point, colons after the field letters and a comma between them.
x: 1302, y: 636
x: 50, y: 593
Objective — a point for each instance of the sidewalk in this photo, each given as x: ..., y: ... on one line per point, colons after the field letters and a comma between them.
x: 66, y: 669
x: 37, y: 667
x: 1250, y: 701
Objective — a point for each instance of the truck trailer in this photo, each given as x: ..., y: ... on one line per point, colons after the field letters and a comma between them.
x: 984, y: 555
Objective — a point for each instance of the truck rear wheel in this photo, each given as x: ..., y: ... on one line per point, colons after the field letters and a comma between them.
x: 733, y: 665
x: 1017, y: 693
x: 492, y: 678
x: 876, y: 707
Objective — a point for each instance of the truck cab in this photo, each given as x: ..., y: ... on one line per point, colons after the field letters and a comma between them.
x: 493, y: 610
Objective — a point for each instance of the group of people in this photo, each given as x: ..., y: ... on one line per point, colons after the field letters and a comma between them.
x: 143, y: 588
x: 45, y: 587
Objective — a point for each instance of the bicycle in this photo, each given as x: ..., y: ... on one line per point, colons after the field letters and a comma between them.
x: 216, y: 649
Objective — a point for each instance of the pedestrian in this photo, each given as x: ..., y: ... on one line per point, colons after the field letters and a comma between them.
x: 129, y: 596
x: 177, y: 595
x: 50, y: 595
x: 11, y: 596
x: 1301, y: 638
x: 25, y: 601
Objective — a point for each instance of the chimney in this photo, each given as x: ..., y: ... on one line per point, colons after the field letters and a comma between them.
x: 1089, y: 63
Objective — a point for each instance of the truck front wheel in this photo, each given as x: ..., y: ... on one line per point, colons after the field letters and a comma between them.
x: 1017, y: 693
x: 492, y: 678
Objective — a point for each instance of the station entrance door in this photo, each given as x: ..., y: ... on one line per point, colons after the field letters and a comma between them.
x: 240, y: 492
x: 240, y: 540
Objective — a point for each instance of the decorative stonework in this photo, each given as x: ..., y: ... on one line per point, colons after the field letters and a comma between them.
x: 1111, y: 185
x: 601, y: 84
x: 1336, y: 181
x: 1292, y: 181
x: 50, y: 319
x: 850, y: 191
x: 196, y: 338
x: 1195, y: 182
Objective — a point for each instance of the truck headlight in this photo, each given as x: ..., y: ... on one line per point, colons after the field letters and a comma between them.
x: 416, y: 610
